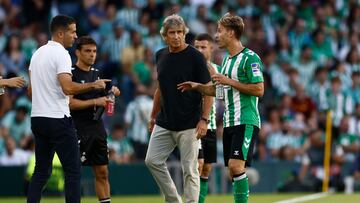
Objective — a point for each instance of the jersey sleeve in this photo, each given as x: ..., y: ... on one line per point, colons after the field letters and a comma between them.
x: 63, y: 63
x: 254, y: 68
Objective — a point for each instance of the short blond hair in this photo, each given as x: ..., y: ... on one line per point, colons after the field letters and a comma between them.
x: 233, y: 22
x: 171, y: 21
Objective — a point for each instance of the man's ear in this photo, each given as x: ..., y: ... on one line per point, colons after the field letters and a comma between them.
x: 231, y: 33
x: 60, y: 34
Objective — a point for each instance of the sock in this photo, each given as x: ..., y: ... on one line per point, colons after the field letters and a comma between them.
x: 203, y: 189
x: 105, y: 200
x: 241, y: 188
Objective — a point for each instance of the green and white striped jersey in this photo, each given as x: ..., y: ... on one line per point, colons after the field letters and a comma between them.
x: 245, y: 67
x: 212, y: 117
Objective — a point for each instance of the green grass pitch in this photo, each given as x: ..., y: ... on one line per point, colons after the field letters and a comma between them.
x: 254, y: 198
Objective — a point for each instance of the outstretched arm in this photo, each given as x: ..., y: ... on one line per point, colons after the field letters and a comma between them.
x: 254, y: 89
x: 206, y: 89
x: 70, y: 88
x: 13, y: 82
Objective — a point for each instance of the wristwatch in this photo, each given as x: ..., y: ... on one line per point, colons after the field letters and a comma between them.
x: 207, y: 121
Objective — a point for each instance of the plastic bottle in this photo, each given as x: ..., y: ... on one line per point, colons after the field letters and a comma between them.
x: 110, y: 105
x: 219, y: 91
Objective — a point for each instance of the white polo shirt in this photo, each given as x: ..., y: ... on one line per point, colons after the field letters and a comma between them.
x: 48, y: 98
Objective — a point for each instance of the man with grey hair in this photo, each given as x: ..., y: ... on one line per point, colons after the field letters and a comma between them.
x: 177, y: 119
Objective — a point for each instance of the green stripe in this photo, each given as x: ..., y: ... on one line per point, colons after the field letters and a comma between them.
x: 249, y: 129
x: 242, y: 63
x: 223, y: 69
x: 240, y: 69
x: 212, y: 124
x: 212, y: 118
x: 230, y: 94
x: 223, y: 61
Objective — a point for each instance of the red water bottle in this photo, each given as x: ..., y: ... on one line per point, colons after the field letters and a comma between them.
x: 110, y: 104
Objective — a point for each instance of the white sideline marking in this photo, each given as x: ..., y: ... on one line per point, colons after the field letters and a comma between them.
x: 305, y: 198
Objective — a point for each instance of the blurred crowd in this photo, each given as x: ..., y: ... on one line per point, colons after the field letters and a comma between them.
x: 310, y: 50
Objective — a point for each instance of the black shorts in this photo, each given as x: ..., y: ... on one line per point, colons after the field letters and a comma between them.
x: 239, y: 142
x: 207, y: 151
x: 93, y: 144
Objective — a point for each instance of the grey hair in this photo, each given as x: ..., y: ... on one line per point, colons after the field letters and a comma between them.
x: 171, y: 21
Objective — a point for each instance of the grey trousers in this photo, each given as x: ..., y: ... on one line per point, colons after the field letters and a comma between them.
x: 162, y: 143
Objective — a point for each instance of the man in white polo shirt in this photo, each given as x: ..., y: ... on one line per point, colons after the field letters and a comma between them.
x: 52, y: 126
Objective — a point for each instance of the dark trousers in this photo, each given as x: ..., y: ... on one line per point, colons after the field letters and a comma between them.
x: 55, y: 135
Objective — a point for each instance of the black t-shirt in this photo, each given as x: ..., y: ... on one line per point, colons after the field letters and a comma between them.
x: 180, y: 110
x: 85, y: 116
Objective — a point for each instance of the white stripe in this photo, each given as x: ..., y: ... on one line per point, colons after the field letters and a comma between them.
x: 305, y: 198
x: 237, y: 106
x: 226, y: 111
x: 236, y: 93
x: 240, y: 177
x: 257, y: 110
x: 212, y: 124
x: 244, y: 64
x: 105, y: 200
x: 223, y: 65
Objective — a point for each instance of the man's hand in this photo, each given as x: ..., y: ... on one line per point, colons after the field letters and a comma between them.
x: 185, y: 86
x: 101, y: 101
x: 221, y: 79
x: 115, y: 90
x: 151, y: 124
x: 15, y: 82
x: 100, y: 84
x: 201, y: 129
